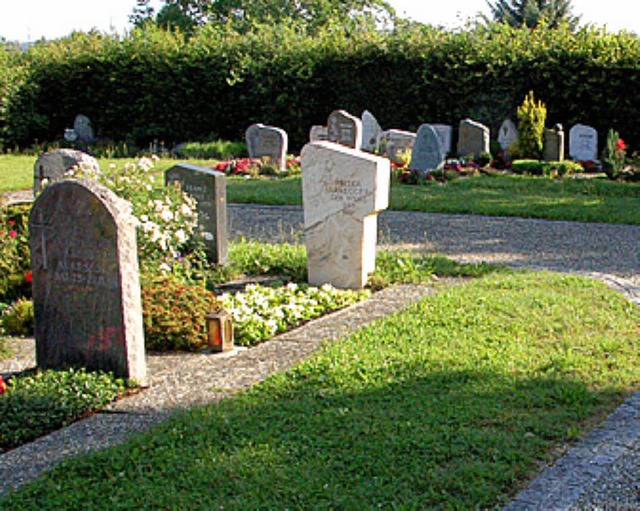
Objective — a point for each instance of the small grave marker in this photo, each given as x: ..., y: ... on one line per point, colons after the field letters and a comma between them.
x: 209, y: 189
x: 396, y: 145
x: 344, y: 128
x: 52, y: 165
x: 370, y: 131
x: 553, y: 148
x: 268, y: 141
x: 427, y: 153
x: 473, y: 138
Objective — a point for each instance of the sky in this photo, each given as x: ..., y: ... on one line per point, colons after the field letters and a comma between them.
x: 29, y: 20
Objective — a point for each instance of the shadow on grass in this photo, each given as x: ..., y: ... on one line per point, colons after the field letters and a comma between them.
x: 412, y: 437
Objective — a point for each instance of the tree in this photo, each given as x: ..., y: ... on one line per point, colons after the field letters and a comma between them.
x: 243, y: 14
x: 532, y: 13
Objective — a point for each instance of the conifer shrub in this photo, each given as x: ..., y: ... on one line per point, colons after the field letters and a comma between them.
x: 531, y: 116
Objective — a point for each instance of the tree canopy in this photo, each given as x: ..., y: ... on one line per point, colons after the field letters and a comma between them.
x: 243, y: 14
x: 532, y: 13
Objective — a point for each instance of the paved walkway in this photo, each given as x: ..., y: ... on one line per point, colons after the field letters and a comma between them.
x: 602, y: 472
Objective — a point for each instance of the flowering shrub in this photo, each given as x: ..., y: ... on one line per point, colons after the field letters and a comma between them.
x: 174, y: 315
x: 261, y: 312
x: 15, y: 274
x: 614, y: 155
x: 167, y: 216
x: 18, y: 319
x: 254, y: 167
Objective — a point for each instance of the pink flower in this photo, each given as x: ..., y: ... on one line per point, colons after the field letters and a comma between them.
x: 13, y: 234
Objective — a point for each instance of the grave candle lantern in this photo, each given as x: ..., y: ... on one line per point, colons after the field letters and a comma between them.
x: 220, y: 331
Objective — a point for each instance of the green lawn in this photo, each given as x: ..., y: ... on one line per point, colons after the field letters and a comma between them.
x: 450, y: 404
x: 587, y: 200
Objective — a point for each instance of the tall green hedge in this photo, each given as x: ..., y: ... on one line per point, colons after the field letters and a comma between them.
x: 157, y: 85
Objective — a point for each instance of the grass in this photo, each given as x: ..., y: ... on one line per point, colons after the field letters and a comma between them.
x: 585, y: 200
x: 450, y: 404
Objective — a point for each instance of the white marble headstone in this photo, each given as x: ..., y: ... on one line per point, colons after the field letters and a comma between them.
x: 583, y: 143
x: 508, y: 134
x: 342, y: 192
x: 370, y: 131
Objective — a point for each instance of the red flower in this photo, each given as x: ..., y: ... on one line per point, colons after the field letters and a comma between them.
x: 28, y: 277
x: 13, y: 234
x: 3, y: 386
x: 620, y: 145
x: 11, y: 222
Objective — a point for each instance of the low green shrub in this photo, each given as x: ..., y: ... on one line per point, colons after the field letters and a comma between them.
x: 174, y: 315
x: 18, y: 319
x: 546, y: 168
x: 614, y: 155
x: 215, y: 150
x: 33, y: 405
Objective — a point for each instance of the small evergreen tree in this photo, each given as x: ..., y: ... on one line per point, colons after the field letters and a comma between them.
x: 531, y: 117
x: 532, y: 13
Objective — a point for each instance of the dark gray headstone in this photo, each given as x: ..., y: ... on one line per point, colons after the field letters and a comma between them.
x: 268, y: 141
x: 427, y: 153
x: 209, y: 189
x: 345, y: 129
x: 52, y: 166
x: 553, y: 149
x: 84, y: 130
x: 473, y: 138
x: 86, y: 286
x: 444, y: 132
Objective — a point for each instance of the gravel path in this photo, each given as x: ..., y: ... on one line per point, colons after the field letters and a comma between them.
x: 602, y: 472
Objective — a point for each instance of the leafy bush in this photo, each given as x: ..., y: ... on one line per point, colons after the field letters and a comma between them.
x: 15, y: 262
x: 167, y: 216
x: 174, y: 315
x: 36, y: 404
x: 18, y: 319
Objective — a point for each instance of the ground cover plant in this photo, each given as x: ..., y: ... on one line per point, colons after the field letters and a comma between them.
x: 450, y: 404
x: 37, y: 403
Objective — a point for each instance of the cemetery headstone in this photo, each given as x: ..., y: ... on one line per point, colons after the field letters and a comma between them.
x: 583, y: 143
x: 268, y: 141
x: 342, y: 192
x: 345, y: 129
x: 553, y: 148
x: 318, y: 133
x: 52, y: 166
x: 209, y: 189
x: 86, y: 286
x: 84, y: 130
x: 370, y: 131
x: 396, y: 145
x: 507, y: 135
x: 427, y: 153
x: 444, y: 132
x: 473, y: 138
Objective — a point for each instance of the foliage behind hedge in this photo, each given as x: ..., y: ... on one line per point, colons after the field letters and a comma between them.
x: 158, y: 85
